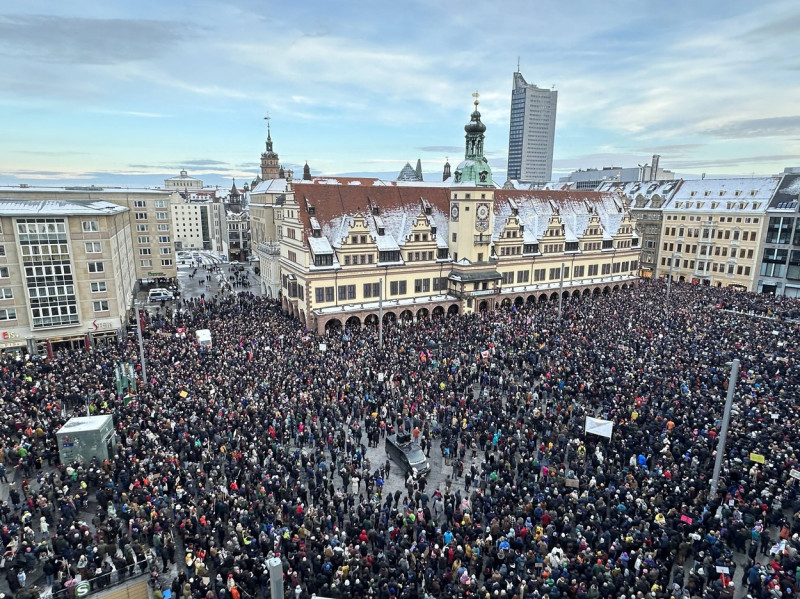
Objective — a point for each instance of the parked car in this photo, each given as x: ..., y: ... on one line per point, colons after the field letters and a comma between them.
x: 407, y: 453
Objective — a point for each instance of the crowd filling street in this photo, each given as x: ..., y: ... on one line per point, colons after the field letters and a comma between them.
x: 260, y: 446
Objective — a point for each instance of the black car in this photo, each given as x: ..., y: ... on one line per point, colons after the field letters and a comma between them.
x: 407, y: 453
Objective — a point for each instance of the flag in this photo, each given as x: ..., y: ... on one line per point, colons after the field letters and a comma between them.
x: 598, y: 426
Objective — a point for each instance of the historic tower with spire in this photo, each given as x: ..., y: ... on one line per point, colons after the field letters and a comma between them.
x: 270, y: 169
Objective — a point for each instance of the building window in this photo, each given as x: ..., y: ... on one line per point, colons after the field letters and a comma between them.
x: 93, y: 247
x: 141, y: 215
x: 145, y: 251
x: 6, y: 293
x: 398, y: 288
x: 389, y: 256
x: 571, y: 246
x: 161, y: 203
x: 372, y: 290
x: 455, y: 237
x: 507, y: 278
x: 442, y: 254
x: 555, y: 273
x: 606, y: 270
x: 578, y: 271
x: 100, y: 306
x: 163, y: 239
x: 166, y: 262
x: 538, y: 274
x: 8, y: 314
x: 162, y: 227
x: 165, y: 251
x: 323, y: 260
x: 98, y: 286
x: 523, y: 276
x: 90, y: 226
x: 146, y: 263
x: 162, y: 216
x: 143, y: 239
x: 95, y: 267
x: 141, y: 228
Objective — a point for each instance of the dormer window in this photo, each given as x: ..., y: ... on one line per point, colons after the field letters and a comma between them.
x: 381, y: 231
x: 428, y: 210
x: 433, y: 230
x: 375, y: 210
x: 707, y: 193
x: 694, y: 193
x: 311, y: 210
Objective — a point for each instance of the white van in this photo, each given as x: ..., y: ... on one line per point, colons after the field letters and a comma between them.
x: 203, y: 337
x: 159, y: 294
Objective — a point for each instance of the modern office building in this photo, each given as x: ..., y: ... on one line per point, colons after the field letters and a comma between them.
x: 779, y: 270
x: 343, y: 249
x: 148, y: 212
x: 532, y: 132
x: 593, y: 178
x: 67, y: 273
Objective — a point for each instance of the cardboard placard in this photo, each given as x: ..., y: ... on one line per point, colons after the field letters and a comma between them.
x: 184, y: 394
x: 686, y: 519
x: 723, y: 570
x: 572, y: 483
x: 794, y: 473
x: 757, y: 457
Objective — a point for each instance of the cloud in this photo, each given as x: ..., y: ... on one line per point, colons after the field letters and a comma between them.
x: 779, y: 126
x: 135, y: 113
x: 49, y: 38
x: 741, y: 161
x: 786, y: 25
x: 668, y: 149
x: 442, y: 149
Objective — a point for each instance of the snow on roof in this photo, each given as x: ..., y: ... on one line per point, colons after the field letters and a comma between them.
x: 320, y: 245
x: 81, y: 189
x: 723, y: 195
x: 14, y: 207
x: 270, y: 186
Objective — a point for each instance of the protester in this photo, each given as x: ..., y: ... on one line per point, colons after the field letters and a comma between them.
x: 257, y: 448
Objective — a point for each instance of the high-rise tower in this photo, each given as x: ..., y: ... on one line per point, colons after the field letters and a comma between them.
x: 532, y: 131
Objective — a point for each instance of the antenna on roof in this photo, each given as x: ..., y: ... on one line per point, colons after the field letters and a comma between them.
x: 517, y: 64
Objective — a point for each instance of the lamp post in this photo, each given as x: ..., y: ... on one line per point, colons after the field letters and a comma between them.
x: 561, y: 292
x: 723, y: 436
x: 380, y: 313
x: 141, y: 342
x: 669, y: 275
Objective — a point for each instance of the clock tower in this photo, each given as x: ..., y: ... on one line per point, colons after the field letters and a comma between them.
x: 472, y: 198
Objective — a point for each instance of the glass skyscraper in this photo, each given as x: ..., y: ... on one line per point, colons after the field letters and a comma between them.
x: 532, y: 131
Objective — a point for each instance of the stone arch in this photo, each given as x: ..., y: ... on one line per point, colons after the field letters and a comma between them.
x: 554, y: 296
x: 390, y: 317
x: 531, y: 299
x: 334, y: 324
x: 586, y: 292
x: 682, y: 279
x: 596, y: 291
x: 483, y: 306
x: 506, y: 303
x: 371, y: 320
x: 519, y: 301
x: 576, y: 293
x: 616, y: 288
x: 354, y: 322
x: 302, y: 317
x: 543, y: 297
x: 438, y: 311
x: 624, y: 286
x: 422, y: 313
x: 406, y: 315
x: 606, y: 290
x: 452, y: 310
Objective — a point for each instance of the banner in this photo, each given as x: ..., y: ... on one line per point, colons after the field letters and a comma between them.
x: 598, y: 426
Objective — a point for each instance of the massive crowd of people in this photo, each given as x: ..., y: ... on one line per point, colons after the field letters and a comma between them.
x: 256, y: 448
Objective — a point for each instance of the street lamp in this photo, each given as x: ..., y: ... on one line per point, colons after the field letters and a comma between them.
x: 669, y: 275
x: 141, y: 342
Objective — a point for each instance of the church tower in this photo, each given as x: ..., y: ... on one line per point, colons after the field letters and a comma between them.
x: 270, y: 169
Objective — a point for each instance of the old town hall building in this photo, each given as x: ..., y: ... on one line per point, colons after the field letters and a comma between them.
x: 336, y: 251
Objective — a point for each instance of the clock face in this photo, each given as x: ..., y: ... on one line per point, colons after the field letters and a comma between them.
x: 483, y: 211
x: 454, y: 212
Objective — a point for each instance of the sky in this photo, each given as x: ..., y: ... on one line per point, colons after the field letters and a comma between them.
x: 128, y: 93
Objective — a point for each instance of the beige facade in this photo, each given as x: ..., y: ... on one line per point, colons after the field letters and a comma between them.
x: 713, y: 231
x: 148, y: 212
x: 418, y: 257
x: 67, y: 273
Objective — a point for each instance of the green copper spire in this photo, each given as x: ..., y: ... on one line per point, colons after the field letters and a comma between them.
x: 474, y: 170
